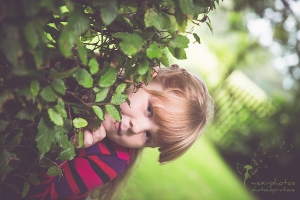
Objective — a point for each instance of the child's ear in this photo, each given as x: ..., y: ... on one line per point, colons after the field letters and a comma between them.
x: 155, y: 72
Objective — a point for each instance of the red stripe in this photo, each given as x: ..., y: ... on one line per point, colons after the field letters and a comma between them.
x: 47, y: 180
x: 53, y: 193
x: 38, y: 196
x: 121, y: 151
x: 106, y: 168
x: 103, y: 148
x: 70, y: 178
x: 87, y: 174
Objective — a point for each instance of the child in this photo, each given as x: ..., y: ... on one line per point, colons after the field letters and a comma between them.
x: 169, y: 113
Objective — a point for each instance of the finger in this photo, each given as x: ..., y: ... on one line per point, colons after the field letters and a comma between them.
x: 88, y: 139
x: 99, y: 134
x: 155, y: 72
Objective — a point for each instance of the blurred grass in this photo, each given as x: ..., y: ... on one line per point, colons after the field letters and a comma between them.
x: 199, y: 174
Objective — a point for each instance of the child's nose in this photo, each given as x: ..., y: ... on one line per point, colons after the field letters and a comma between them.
x: 137, y: 125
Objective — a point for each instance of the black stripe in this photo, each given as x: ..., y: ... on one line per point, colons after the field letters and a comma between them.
x: 102, y: 175
x: 77, y: 178
x: 110, y: 148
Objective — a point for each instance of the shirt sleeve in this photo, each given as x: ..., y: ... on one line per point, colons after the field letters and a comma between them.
x: 80, y: 175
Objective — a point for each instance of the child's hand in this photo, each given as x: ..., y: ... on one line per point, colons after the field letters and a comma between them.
x: 89, y: 138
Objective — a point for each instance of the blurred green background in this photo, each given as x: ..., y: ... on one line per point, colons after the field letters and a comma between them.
x: 251, y: 148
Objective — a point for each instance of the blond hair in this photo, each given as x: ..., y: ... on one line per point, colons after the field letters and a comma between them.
x: 181, y: 111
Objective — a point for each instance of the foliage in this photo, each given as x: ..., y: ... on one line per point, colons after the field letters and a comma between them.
x: 66, y: 63
x: 283, y: 19
x: 254, y: 128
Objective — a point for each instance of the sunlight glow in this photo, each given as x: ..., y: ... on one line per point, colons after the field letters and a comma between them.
x: 239, y: 79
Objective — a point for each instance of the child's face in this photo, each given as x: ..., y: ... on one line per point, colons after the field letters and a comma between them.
x: 137, y: 127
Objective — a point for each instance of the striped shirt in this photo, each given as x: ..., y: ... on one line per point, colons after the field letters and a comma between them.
x: 91, y: 168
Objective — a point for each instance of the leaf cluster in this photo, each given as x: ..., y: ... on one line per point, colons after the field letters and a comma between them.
x: 65, y: 63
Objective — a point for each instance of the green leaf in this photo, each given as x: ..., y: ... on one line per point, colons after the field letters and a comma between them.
x: 147, y: 35
x: 78, y: 22
x: 98, y: 111
x: 60, y: 108
x: 180, y: 19
x: 16, y: 139
x: 59, y: 86
x: 31, y: 34
x: 62, y: 139
x: 178, y: 53
x: 154, y: 51
x: 55, y: 117
x: 143, y: 67
x: 5, y: 158
x: 210, y: 27
x: 4, y: 97
x: 149, y: 77
x: 197, y: 38
x: 65, y: 128
x: 200, y: 8
x: 128, y: 102
x: 3, y: 125
x: 79, y: 122
x: 26, y: 188
x: 96, y: 89
x: 70, y: 6
x: 113, y: 112
x: 11, y: 45
x: 81, y: 51
x: 75, y: 110
x: 45, y: 135
x: 34, y: 87
x: 84, y: 78
x: 27, y: 114
x: 25, y: 92
x: 121, y: 88
x: 94, y: 66
x: 100, y: 96
x: 118, y: 99
x: 96, y: 123
x: 120, y: 35
x: 67, y: 154
x: 109, y: 11
x: 65, y: 74
x: 38, y: 58
x: 48, y: 94
x: 33, y: 178
x: 109, y: 77
x: 159, y: 20
x: 80, y: 139
x: 54, y: 171
x: 131, y: 44
x: 165, y: 60
x: 187, y: 6
x: 180, y: 41
x: 66, y: 42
